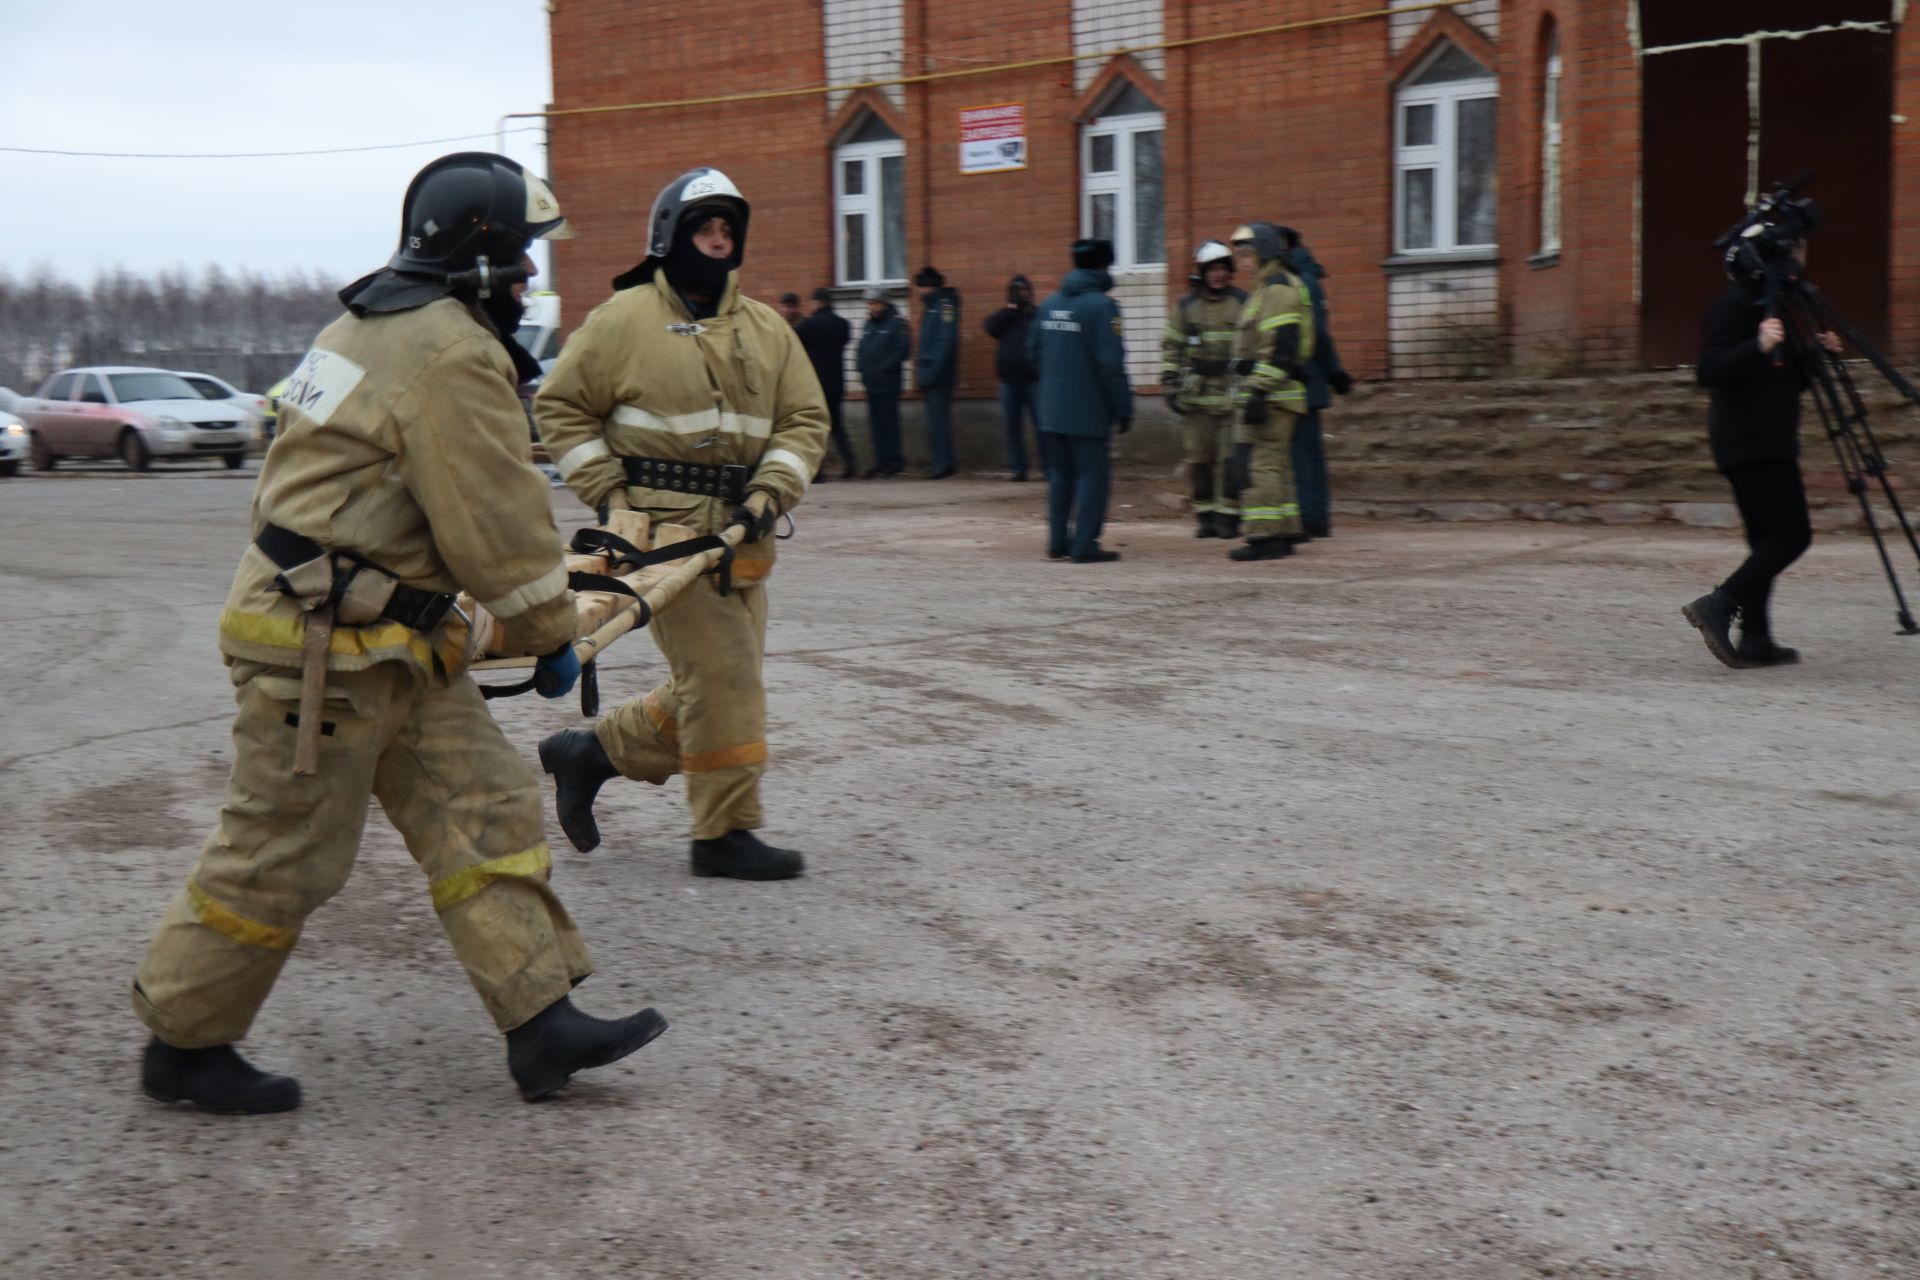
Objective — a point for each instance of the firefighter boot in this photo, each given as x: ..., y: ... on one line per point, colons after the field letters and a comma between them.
x: 544, y: 1053
x: 579, y: 766
x: 217, y: 1080
x: 741, y: 855
x: 1712, y: 616
x: 1207, y: 525
x: 1263, y: 549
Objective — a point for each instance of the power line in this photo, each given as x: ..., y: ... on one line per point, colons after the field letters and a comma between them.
x: 253, y: 155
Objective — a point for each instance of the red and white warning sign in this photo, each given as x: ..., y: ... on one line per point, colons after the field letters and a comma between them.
x: 993, y: 139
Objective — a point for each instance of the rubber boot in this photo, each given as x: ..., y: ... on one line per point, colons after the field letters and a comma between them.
x: 1316, y: 529
x: 579, y: 766
x: 1263, y: 549
x: 1099, y: 555
x: 217, y: 1080
x: 544, y: 1053
x: 1228, y: 525
x: 1206, y: 525
x: 1712, y: 616
x: 742, y: 855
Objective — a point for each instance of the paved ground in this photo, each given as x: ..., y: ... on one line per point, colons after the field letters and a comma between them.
x: 1427, y: 906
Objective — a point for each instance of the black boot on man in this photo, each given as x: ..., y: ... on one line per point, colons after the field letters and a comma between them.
x: 1712, y: 616
x: 742, y: 855
x: 1207, y: 525
x: 1263, y: 549
x: 1757, y: 649
x: 580, y: 767
x: 544, y: 1053
x: 217, y: 1080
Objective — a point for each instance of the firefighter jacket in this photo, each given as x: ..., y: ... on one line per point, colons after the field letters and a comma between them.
x: 1274, y: 340
x: 644, y: 379
x: 402, y: 441
x: 1195, y: 348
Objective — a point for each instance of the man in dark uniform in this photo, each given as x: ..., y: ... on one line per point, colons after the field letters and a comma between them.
x: 825, y: 334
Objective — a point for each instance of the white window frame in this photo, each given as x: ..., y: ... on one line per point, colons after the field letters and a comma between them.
x: 1442, y: 156
x: 1550, y: 156
x: 1119, y: 184
x: 868, y: 203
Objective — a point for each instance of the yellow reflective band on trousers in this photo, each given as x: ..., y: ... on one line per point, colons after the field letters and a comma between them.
x: 1275, y: 321
x: 242, y: 930
x: 1282, y: 512
x: 723, y: 758
x: 462, y: 885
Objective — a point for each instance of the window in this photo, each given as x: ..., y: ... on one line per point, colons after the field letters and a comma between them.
x: 1123, y: 179
x: 1444, y: 197
x: 870, y: 205
x: 1550, y: 151
x: 59, y: 387
x: 92, y: 390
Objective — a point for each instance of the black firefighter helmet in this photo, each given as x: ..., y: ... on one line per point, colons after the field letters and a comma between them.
x: 1270, y: 240
x: 470, y: 205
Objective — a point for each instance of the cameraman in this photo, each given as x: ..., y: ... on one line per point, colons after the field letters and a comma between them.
x: 1754, y: 429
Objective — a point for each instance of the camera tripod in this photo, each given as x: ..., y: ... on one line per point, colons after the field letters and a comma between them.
x: 1805, y: 312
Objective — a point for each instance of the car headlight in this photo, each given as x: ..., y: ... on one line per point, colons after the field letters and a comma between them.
x: 15, y: 429
x: 171, y: 424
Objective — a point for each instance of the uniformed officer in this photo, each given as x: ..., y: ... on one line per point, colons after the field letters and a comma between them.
x: 683, y: 399
x: 1271, y: 347
x: 1196, y: 353
x: 401, y: 476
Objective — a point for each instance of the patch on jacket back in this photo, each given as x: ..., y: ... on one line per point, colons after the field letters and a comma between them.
x: 1061, y: 322
x: 323, y: 380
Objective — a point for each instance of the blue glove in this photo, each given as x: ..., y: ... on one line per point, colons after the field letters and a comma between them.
x: 555, y: 674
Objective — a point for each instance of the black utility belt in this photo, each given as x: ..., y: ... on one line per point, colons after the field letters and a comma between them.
x: 728, y: 482
x: 293, y: 552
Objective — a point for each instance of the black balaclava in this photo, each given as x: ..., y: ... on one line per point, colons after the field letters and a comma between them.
x: 691, y: 270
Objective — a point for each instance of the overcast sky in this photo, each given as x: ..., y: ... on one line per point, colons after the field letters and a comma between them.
x: 228, y: 75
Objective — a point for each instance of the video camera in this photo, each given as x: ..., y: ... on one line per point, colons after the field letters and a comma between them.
x: 1762, y: 241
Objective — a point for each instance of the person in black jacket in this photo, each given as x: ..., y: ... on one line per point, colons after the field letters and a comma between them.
x: 884, y: 346
x: 1754, y: 429
x: 1008, y: 327
x: 825, y: 334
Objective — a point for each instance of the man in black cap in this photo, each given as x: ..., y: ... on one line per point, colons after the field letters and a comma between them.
x: 1076, y: 349
x: 936, y: 369
x: 825, y: 334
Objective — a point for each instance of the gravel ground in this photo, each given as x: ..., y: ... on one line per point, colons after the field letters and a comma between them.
x: 1430, y: 905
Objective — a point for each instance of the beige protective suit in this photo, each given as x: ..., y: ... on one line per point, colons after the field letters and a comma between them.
x: 643, y: 379
x: 1275, y: 329
x: 402, y: 440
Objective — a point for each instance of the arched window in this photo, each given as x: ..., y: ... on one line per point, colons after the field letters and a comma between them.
x: 1123, y: 178
x: 1550, y: 149
x: 870, y: 204
x: 1444, y: 196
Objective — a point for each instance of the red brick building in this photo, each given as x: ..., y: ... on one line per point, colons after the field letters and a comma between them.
x: 1527, y: 182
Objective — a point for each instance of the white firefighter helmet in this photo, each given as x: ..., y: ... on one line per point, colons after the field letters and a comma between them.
x: 1211, y: 252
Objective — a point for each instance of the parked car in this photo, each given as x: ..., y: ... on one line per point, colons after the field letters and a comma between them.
x: 13, y: 443
x: 262, y: 410
x: 137, y: 415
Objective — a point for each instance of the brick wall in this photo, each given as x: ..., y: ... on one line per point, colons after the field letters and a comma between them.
x: 1294, y: 126
x: 862, y: 40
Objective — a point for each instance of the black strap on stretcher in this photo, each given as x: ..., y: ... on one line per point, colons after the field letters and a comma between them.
x: 621, y: 554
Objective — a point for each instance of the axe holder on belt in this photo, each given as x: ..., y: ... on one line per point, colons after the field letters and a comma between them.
x: 337, y: 588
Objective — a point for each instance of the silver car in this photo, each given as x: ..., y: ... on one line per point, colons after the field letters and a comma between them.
x: 137, y: 415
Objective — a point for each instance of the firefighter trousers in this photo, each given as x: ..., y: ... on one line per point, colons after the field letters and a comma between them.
x: 468, y: 807
x: 1268, y: 507
x: 1211, y: 482
x: 709, y: 720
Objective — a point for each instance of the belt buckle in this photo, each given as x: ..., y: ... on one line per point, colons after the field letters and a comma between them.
x: 433, y: 612
x: 733, y: 482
